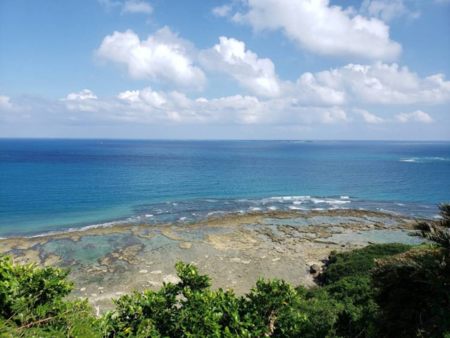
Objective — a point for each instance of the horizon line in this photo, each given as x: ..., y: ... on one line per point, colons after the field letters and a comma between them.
x: 217, y: 139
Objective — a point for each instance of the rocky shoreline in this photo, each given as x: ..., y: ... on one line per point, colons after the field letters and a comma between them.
x: 235, y: 250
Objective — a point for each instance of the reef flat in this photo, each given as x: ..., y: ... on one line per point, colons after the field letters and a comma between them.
x: 235, y: 250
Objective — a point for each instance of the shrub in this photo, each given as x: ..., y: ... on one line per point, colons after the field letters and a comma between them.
x: 358, y: 262
x: 191, y: 309
x: 32, y: 303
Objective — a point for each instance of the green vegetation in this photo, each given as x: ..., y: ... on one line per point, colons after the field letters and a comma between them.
x: 414, y: 287
x: 389, y: 290
x: 33, y: 304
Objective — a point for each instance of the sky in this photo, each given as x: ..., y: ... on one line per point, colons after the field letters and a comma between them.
x: 225, y: 69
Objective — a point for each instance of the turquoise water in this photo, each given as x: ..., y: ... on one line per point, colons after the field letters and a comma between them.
x: 58, y: 184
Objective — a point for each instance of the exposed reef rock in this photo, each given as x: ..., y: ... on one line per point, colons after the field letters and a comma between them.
x: 235, y: 250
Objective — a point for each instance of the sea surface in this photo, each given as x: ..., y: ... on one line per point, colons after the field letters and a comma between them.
x: 53, y: 185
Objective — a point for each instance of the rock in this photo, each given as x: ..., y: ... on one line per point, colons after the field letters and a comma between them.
x: 239, y: 260
x: 156, y: 272
x: 315, y: 268
x: 185, y: 245
x: 143, y: 271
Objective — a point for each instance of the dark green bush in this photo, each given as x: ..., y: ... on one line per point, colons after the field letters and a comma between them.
x: 358, y: 309
x: 191, y: 309
x: 414, y: 294
x: 359, y: 261
x: 32, y: 303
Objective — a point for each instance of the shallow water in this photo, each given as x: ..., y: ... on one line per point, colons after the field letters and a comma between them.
x: 376, y: 236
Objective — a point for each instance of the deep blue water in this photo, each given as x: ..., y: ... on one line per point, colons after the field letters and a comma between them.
x: 56, y: 184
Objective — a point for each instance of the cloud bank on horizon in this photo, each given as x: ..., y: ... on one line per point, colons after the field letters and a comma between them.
x: 343, y: 74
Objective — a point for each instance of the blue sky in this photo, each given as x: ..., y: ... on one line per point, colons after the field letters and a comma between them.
x: 245, y: 69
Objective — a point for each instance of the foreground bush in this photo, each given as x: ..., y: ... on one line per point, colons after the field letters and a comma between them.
x: 32, y: 304
x: 192, y: 309
x: 414, y: 287
x: 358, y: 262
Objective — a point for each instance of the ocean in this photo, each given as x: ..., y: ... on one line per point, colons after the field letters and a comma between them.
x: 56, y: 185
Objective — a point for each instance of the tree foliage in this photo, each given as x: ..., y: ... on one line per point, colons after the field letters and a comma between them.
x: 414, y: 287
x: 438, y: 232
x: 32, y: 303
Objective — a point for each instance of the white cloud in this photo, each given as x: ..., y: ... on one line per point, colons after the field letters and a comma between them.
x: 334, y: 115
x: 137, y: 6
x: 84, y: 100
x: 128, y: 6
x: 381, y: 83
x: 322, y: 28
x: 5, y: 102
x: 416, y: 116
x: 309, y: 90
x: 173, y: 107
x: 387, y: 10
x: 85, y: 94
x: 254, y: 73
x: 369, y: 117
x: 145, y: 96
x: 161, y: 57
x: 221, y: 11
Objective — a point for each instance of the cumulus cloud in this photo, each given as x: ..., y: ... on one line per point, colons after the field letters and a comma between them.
x: 388, y: 10
x: 85, y: 94
x: 84, y: 100
x: 253, y: 73
x: 146, y: 97
x: 161, y: 57
x: 175, y: 107
x: 158, y: 107
x: 154, y: 107
x: 369, y: 117
x: 416, y: 116
x: 334, y: 115
x: 137, y: 6
x: 381, y: 83
x: 308, y: 90
x: 322, y: 28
